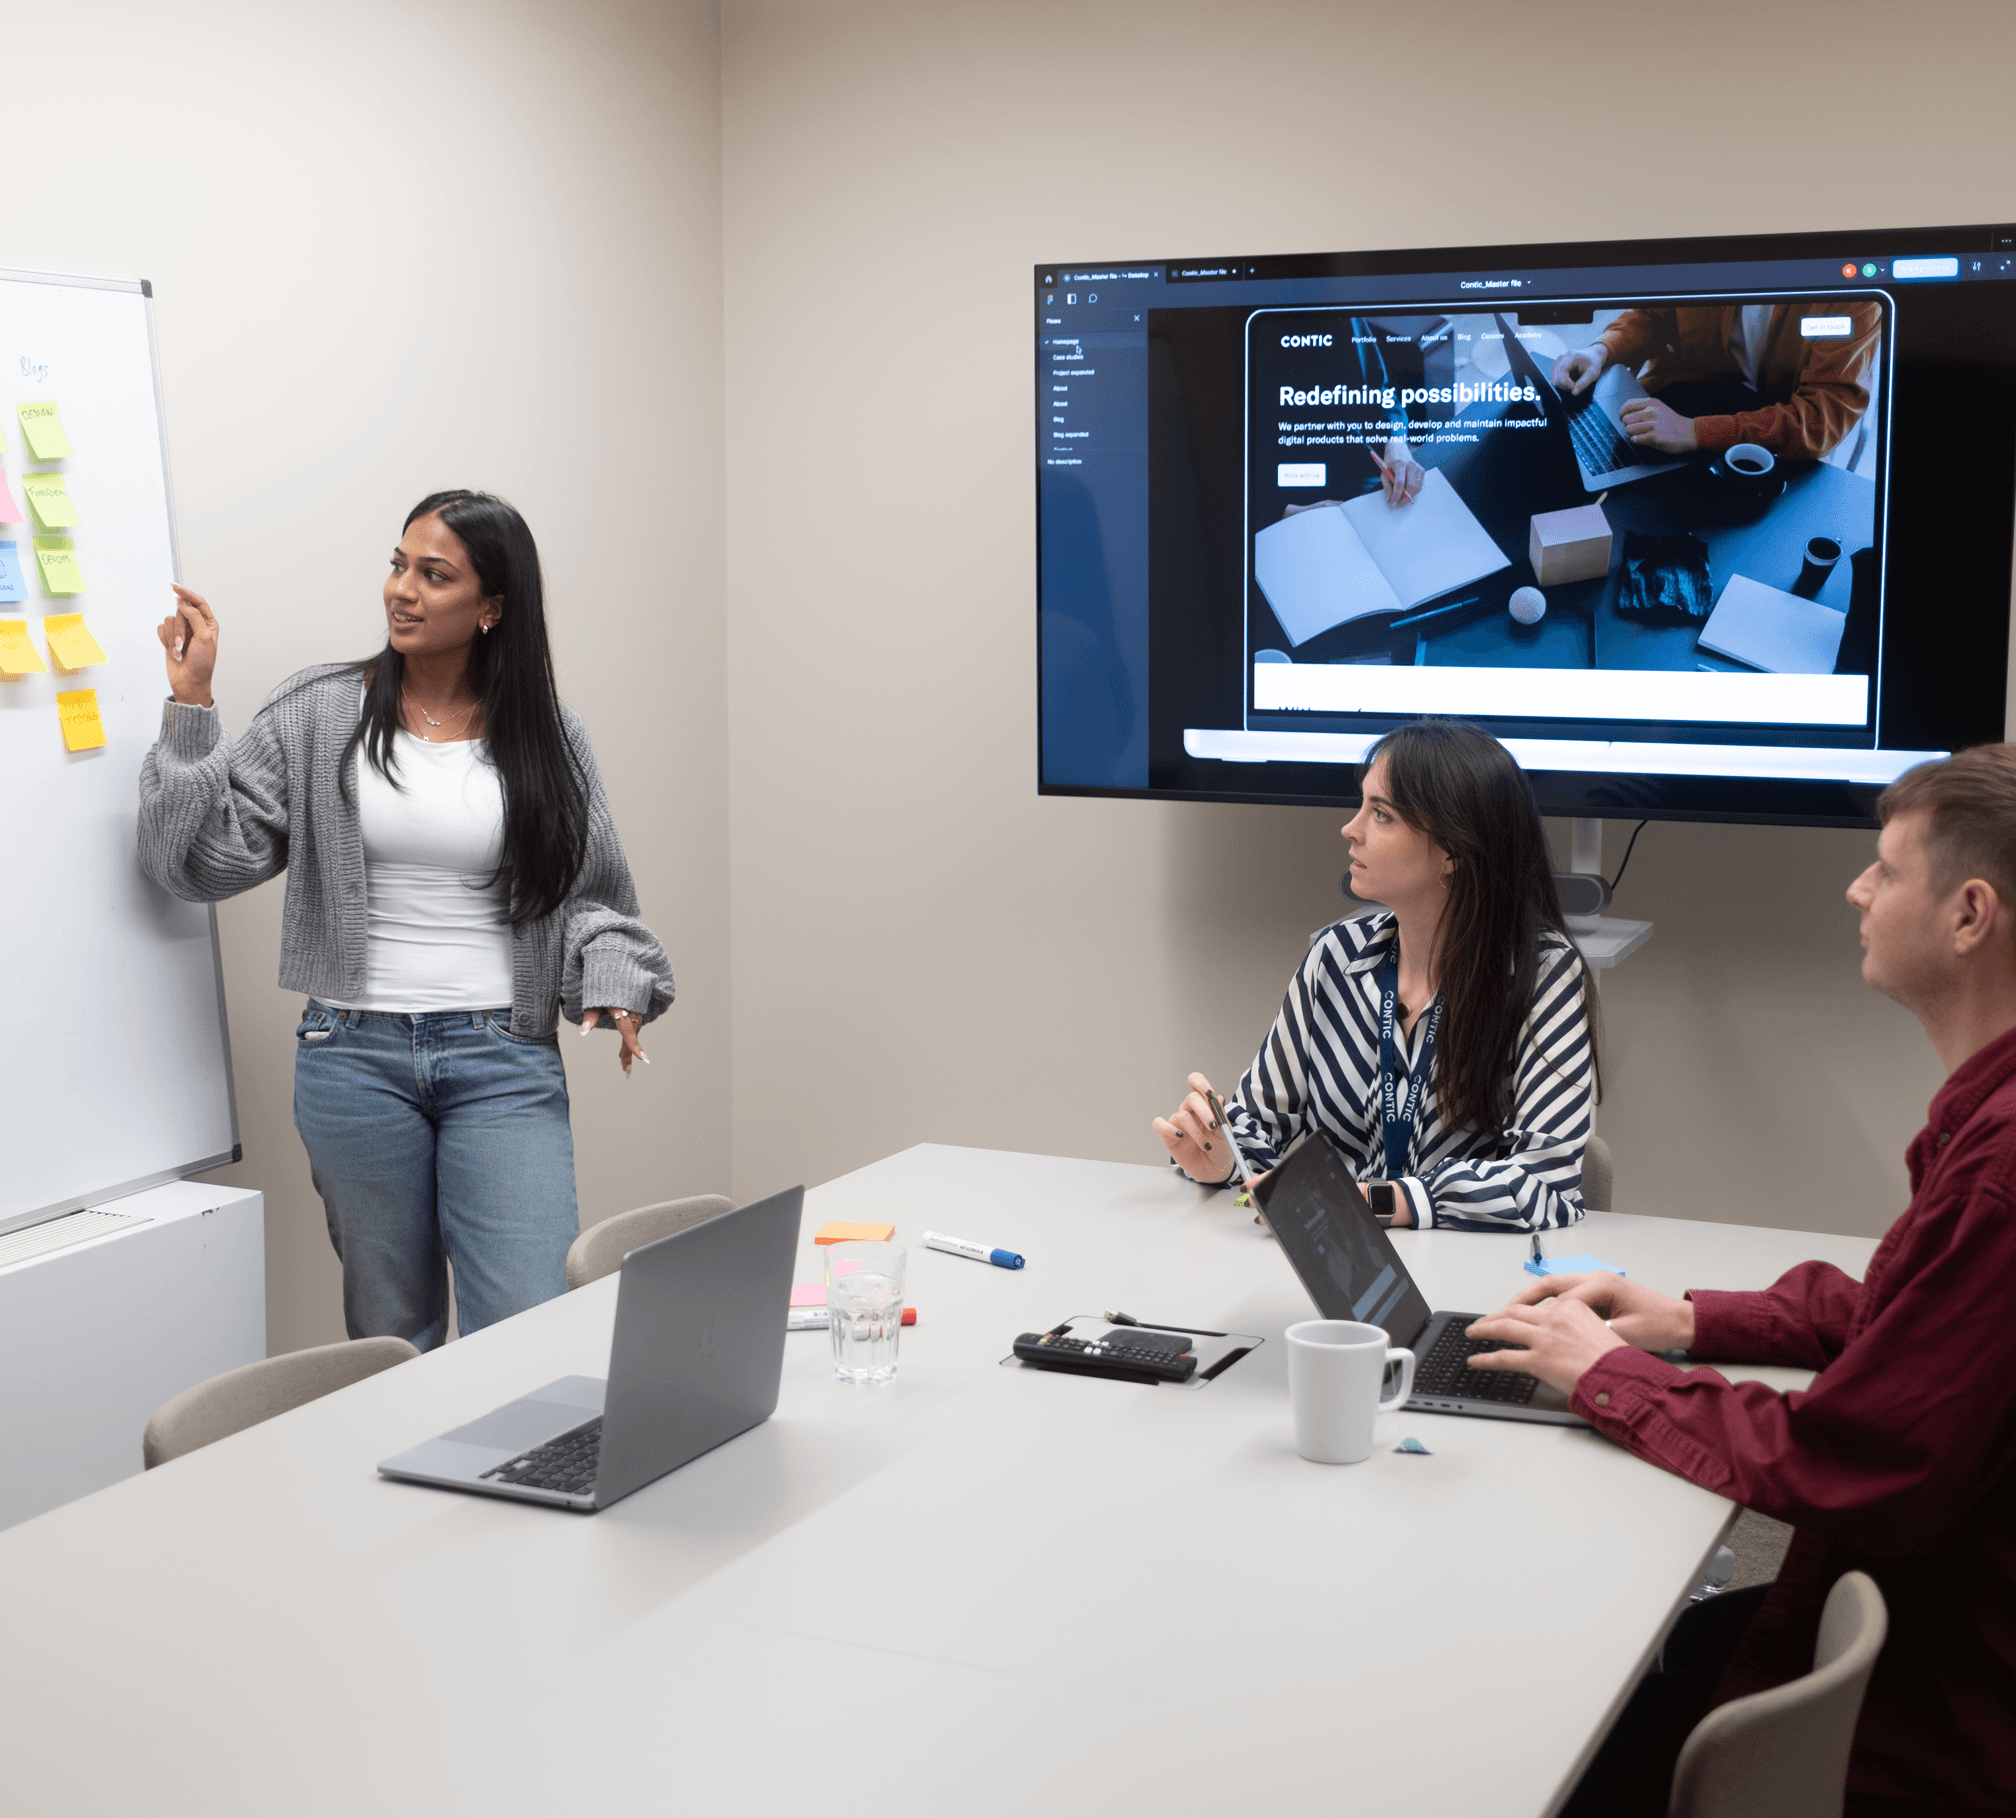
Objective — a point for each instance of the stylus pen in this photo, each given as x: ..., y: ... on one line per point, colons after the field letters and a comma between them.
x: 1232, y: 1143
x: 1439, y: 612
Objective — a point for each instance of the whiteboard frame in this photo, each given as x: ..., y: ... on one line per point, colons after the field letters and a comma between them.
x: 103, y: 1195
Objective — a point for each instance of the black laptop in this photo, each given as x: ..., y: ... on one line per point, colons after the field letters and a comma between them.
x: 1351, y: 1270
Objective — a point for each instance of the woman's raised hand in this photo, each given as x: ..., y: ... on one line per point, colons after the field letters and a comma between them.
x: 189, y: 636
x: 1201, y: 1152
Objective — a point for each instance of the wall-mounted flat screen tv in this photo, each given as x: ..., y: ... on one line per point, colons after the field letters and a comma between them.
x: 1714, y: 529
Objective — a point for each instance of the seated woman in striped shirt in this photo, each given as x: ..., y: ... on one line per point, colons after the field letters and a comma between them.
x: 1444, y: 1045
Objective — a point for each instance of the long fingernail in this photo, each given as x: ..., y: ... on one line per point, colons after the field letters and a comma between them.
x: 645, y: 1058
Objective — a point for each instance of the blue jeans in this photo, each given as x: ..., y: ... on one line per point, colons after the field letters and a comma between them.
x: 437, y: 1138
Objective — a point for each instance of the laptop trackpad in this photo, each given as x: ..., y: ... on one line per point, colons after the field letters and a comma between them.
x: 520, y: 1425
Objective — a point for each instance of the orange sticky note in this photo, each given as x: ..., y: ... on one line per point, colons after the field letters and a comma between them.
x: 83, y: 730
x: 18, y: 655
x: 70, y: 641
x: 838, y: 1233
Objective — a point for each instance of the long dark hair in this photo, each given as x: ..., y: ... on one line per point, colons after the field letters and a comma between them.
x: 1458, y: 785
x: 511, y: 672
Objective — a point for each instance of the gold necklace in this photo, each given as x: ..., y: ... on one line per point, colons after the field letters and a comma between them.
x: 408, y: 701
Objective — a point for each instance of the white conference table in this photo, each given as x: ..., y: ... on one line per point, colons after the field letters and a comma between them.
x: 976, y: 1589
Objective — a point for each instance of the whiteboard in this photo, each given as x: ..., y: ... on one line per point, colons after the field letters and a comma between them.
x: 115, y: 1066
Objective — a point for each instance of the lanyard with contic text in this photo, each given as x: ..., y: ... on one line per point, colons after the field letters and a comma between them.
x: 1398, y: 1115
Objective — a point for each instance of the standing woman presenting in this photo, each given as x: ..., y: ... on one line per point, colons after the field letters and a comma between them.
x: 454, y: 885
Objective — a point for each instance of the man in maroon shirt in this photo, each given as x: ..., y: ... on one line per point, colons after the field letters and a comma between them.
x: 1900, y: 1460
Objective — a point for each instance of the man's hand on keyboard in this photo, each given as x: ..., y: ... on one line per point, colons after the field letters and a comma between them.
x: 1637, y: 1314
x: 1562, y: 1338
x: 1652, y: 424
x: 1575, y: 372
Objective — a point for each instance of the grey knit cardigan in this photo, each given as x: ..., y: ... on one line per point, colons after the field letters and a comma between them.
x: 218, y: 815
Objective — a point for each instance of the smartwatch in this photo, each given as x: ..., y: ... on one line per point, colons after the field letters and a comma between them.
x: 1379, y: 1195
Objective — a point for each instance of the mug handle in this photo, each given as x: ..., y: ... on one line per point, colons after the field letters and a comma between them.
x: 1405, y: 1359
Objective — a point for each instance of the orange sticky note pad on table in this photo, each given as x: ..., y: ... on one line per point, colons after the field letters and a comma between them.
x: 83, y: 730
x: 70, y: 640
x: 18, y: 655
x: 838, y: 1233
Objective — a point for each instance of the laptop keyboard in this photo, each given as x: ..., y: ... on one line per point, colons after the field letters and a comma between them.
x: 1443, y: 1371
x: 1597, y: 444
x: 567, y: 1464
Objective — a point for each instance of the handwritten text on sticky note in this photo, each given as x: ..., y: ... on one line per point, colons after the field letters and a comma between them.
x: 12, y: 587
x: 18, y: 655
x: 70, y: 640
x: 44, y: 431
x: 49, y: 499
x: 83, y: 730
x: 57, y: 558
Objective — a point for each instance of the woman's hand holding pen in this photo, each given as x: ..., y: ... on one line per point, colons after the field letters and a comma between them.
x: 629, y: 1025
x: 1201, y: 1150
x: 189, y: 636
x: 1400, y: 475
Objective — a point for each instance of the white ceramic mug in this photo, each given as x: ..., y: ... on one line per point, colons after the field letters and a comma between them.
x: 1335, y: 1370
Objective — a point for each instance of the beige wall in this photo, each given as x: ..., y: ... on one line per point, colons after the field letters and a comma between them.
x: 927, y: 950
x: 396, y: 248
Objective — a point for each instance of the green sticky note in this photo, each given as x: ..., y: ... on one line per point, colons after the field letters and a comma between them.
x: 57, y: 558
x: 49, y: 499
x: 44, y: 430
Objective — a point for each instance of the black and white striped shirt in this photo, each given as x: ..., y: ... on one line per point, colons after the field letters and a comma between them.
x: 1320, y: 1068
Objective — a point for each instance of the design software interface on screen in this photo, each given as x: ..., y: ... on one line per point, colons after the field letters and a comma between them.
x: 1712, y: 515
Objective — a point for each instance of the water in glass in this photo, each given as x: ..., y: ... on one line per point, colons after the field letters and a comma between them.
x: 865, y: 1314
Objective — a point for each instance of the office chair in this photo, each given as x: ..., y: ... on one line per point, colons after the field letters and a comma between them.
x: 1784, y: 1753
x: 244, y: 1397
x: 600, y: 1249
x: 1599, y: 1176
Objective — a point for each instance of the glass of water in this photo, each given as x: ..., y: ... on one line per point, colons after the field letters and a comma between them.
x: 864, y: 1309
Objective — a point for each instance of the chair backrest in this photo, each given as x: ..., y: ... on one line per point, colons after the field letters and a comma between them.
x: 254, y: 1392
x: 1784, y: 1753
x: 1599, y: 1176
x: 600, y: 1249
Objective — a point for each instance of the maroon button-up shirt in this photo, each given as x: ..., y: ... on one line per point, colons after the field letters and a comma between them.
x: 1899, y: 1461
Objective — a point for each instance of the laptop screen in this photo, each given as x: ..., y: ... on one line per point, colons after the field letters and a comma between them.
x: 1338, y: 1249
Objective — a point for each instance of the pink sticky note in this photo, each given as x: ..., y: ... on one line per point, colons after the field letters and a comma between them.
x: 813, y: 1295
x: 10, y: 512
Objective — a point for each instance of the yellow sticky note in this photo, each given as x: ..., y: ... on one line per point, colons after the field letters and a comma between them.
x: 70, y: 641
x: 44, y: 430
x: 57, y: 558
x: 18, y: 655
x: 49, y: 500
x: 83, y: 730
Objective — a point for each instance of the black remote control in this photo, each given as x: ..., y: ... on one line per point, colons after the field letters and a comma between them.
x: 1110, y: 1356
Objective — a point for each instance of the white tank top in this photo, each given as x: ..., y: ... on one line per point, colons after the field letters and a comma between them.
x: 438, y: 938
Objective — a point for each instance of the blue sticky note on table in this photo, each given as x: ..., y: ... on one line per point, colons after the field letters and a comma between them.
x: 11, y: 585
x: 1571, y: 1265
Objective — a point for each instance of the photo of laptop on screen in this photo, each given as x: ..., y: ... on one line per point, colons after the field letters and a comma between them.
x: 1345, y: 1260
x: 1603, y: 449
x: 696, y: 1358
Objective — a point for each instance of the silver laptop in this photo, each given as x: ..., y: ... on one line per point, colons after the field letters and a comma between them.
x: 1347, y: 1262
x: 1605, y: 454
x: 696, y: 1358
